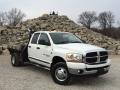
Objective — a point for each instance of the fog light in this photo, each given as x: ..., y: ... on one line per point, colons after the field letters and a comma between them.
x: 106, y: 69
x: 80, y: 71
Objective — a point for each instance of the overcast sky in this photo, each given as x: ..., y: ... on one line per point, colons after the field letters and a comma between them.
x: 71, y: 8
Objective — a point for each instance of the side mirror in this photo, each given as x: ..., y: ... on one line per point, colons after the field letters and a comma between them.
x: 47, y: 43
x: 43, y: 42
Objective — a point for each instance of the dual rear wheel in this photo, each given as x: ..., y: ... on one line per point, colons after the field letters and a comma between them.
x: 15, y: 60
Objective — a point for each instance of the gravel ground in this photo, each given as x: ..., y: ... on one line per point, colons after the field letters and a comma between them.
x: 33, y: 78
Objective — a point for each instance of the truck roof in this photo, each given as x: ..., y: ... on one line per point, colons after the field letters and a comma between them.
x: 50, y: 32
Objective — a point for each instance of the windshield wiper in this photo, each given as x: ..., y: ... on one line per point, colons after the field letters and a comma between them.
x: 76, y: 42
x: 63, y: 42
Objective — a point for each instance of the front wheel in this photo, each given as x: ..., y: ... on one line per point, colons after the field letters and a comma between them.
x: 60, y: 73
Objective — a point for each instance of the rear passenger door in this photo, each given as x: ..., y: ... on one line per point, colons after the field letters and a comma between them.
x: 32, y: 47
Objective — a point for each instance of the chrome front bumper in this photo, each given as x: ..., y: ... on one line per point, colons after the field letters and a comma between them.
x: 81, y: 68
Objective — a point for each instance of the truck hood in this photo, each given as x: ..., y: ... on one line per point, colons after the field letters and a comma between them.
x: 80, y: 47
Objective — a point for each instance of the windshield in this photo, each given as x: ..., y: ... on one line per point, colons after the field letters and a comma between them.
x: 64, y: 38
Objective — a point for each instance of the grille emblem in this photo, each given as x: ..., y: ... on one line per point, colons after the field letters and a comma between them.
x: 98, y: 57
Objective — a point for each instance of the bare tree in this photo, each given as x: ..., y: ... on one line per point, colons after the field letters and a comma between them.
x: 110, y: 19
x: 102, y: 20
x: 14, y: 16
x: 106, y: 20
x: 2, y: 18
x: 87, y: 18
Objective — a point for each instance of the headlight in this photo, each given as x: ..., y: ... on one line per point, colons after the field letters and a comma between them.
x: 73, y: 57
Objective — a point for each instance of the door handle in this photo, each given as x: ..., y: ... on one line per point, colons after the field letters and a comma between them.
x: 37, y: 47
x: 29, y: 46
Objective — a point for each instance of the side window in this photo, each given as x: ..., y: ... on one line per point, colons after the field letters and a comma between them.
x: 35, y: 38
x: 44, y: 40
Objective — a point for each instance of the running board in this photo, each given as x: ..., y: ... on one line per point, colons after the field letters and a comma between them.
x: 39, y: 65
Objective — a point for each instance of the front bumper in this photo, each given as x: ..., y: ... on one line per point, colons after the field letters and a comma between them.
x: 82, y: 68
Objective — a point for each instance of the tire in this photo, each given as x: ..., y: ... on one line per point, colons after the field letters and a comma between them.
x: 56, y: 70
x: 15, y: 60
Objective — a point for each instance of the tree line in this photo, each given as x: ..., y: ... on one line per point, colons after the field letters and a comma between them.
x: 88, y: 18
x: 12, y: 17
x: 105, y: 19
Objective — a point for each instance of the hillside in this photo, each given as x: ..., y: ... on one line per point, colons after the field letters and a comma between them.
x: 19, y: 34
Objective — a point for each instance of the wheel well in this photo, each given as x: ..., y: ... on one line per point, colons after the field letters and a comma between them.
x: 57, y: 59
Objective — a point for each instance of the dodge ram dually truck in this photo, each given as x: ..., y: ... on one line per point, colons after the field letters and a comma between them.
x: 63, y: 53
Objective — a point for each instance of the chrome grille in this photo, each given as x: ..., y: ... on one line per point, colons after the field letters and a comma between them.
x: 93, y: 54
x: 103, y: 56
x: 96, y: 57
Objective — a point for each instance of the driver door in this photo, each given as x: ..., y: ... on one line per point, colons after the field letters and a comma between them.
x: 45, y: 49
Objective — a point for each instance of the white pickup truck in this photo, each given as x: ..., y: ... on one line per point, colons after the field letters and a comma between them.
x: 64, y: 54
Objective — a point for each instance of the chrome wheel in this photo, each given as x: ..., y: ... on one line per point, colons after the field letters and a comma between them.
x: 61, y: 74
